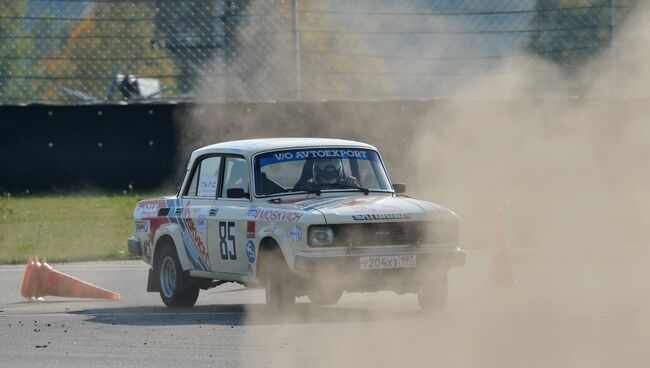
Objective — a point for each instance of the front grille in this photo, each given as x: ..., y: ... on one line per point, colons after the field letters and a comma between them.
x: 390, y: 233
x: 441, y: 232
x: 395, y: 233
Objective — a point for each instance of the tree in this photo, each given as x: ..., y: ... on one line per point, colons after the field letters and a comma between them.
x: 16, y: 70
x: 113, y: 37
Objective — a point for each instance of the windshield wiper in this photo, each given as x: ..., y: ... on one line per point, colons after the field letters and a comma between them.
x: 312, y: 189
x: 345, y: 185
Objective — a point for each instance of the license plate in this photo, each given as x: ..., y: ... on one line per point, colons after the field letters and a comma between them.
x: 387, y: 262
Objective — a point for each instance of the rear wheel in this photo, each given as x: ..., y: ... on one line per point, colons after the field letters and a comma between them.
x: 176, y: 287
x: 433, y: 293
x: 278, y: 280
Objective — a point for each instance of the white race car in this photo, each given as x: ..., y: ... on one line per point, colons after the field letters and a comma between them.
x: 300, y: 216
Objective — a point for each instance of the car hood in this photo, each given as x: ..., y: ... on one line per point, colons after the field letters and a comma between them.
x: 355, y: 209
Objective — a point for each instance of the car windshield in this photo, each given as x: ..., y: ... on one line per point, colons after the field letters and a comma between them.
x: 319, y: 169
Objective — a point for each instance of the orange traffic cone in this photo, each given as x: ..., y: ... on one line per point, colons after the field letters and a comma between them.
x: 502, y: 277
x: 41, y: 279
x: 28, y: 278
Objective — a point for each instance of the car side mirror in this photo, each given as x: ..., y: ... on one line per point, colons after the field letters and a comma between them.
x: 237, y: 193
x: 399, y: 188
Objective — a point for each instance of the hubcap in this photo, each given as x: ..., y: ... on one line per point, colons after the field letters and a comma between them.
x: 167, y: 276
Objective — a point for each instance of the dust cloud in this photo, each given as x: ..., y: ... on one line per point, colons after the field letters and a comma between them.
x: 569, y: 167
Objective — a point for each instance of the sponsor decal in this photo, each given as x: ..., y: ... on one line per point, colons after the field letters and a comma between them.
x: 321, y: 203
x: 250, y: 269
x: 269, y: 230
x: 194, y: 249
x: 260, y: 214
x: 213, y: 212
x: 332, y: 203
x: 250, y: 230
x: 251, y: 213
x: 321, y: 153
x: 150, y: 209
x: 208, y: 186
x: 250, y: 251
x: 142, y: 226
x: 354, y: 202
x: 194, y: 233
x: 295, y: 232
x: 201, y: 221
x: 317, y: 153
x: 381, y: 216
x: 201, y: 224
x: 146, y: 210
x: 376, y: 208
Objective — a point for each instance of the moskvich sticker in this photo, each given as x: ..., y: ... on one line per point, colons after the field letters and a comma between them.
x: 261, y: 214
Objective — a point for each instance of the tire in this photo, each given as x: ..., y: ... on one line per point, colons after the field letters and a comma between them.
x: 176, y: 287
x: 323, y: 295
x: 278, y: 280
x: 433, y: 293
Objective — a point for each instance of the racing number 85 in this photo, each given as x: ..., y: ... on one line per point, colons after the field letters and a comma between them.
x: 227, y: 240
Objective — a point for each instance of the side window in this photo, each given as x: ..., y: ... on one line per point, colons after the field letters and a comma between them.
x: 235, y: 177
x: 206, y: 178
x: 191, y: 190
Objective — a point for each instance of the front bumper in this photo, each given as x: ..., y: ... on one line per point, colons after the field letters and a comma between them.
x: 134, y: 246
x: 446, y: 257
x: 344, y: 268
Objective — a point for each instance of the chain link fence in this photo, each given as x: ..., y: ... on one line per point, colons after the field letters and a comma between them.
x: 107, y: 51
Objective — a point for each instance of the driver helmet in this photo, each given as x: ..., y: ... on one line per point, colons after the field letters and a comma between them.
x: 328, y: 171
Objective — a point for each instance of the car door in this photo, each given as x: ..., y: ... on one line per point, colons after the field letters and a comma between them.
x: 197, y: 204
x: 228, y: 237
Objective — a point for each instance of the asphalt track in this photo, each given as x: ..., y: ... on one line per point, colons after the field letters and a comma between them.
x: 564, y: 315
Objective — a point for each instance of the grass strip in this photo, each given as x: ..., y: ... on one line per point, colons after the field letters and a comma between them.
x: 66, y: 227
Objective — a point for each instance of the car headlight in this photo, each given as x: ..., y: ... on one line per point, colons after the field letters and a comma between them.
x: 321, y: 236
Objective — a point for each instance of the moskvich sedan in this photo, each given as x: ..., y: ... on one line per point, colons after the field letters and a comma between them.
x: 299, y: 216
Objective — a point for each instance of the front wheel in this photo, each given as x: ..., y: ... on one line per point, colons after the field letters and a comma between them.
x: 176, y: 287
x: 433, y: 293
x: 278, y: 280
x: 322, y: 294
